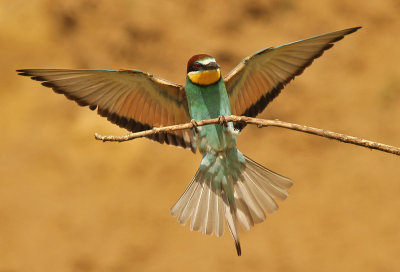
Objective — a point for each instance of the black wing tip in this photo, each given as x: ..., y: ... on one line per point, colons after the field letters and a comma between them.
x: 23, y: 72
x: 92, y: 107
x: 28, y: 72
x: 136, y: 126
x: 353, y: 29
x: 46, y: 83
x: 346, y: 32
x: 238, y: 249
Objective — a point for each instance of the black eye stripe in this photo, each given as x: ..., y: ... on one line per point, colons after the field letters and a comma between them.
x: 197, y: 66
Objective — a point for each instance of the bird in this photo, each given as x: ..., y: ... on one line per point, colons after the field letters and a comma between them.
x: 228, y: 187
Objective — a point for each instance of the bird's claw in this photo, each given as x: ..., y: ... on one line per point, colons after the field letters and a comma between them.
x: 222, y: 120
x: 195, y: 125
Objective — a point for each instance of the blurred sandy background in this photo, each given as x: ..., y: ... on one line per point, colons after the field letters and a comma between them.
x: 70, y: 203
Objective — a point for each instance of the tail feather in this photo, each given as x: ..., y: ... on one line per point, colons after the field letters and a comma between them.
x: 248, y: 203
x: 200, y: 214
x: 219, y: 214
x: 184, y: 206
x: 279, y: 180
x: 257, y: 188
x: 192, y: 201
x: 243, y: 215
x: 269, y: 187
x: 208, y: 206
x: 266, y: 202
x: 208, y: 226
x: 231, y: 218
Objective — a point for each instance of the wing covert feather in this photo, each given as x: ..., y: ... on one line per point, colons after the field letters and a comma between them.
x: 131, y: 99
x: 260, y: 77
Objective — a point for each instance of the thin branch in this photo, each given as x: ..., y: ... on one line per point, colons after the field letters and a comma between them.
x: 260, y: 123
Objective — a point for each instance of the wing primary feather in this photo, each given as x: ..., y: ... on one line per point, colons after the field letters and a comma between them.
x: 276, y: 66
x: 112, y: 101
x: 118, y: 96
x: 144, y: 113
x: 93, y: 97
x: 136, y: 106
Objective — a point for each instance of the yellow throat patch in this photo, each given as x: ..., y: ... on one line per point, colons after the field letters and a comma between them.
x: 206, y: 77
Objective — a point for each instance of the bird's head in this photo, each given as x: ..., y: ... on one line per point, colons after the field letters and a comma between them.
x: 203, y: 70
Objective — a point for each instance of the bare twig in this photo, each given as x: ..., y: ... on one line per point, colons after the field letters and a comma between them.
x: 260, y: 123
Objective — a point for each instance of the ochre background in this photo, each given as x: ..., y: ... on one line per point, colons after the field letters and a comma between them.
x: 70, y: 203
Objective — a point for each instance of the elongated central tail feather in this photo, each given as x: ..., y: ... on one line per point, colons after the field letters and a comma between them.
x: 231, y: 218
x: 231, y: 187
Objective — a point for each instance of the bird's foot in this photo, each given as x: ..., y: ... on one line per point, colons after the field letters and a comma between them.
x: 222, y: 120
x: 234, y: 132
x: 195, y: 125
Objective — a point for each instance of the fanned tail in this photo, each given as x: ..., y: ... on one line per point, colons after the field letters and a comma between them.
x: 256, y: 192
x: 204, y: 204
x: 243, y: 197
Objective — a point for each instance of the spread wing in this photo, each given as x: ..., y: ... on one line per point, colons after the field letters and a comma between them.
x: 129, y: 98
x: 259, y: 78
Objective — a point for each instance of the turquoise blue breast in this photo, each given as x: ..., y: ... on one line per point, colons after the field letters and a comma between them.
x: 206, y: 102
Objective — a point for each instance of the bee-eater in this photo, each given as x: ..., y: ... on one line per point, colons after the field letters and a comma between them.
x: 228, y: 185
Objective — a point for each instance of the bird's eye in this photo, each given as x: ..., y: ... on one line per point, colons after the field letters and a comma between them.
x: 197, y: 66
